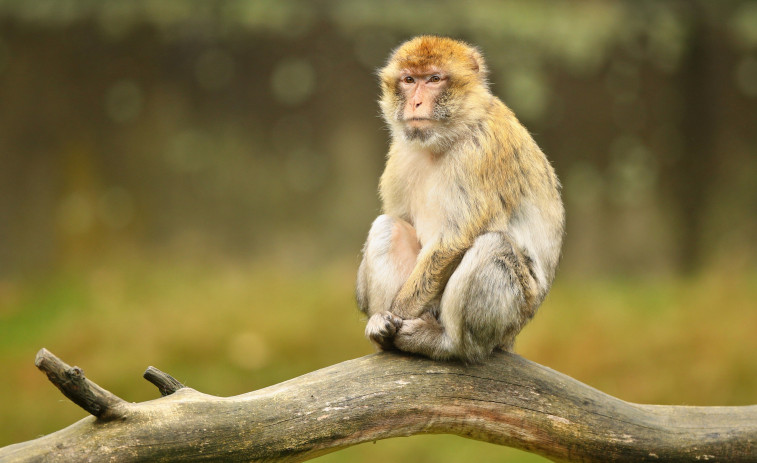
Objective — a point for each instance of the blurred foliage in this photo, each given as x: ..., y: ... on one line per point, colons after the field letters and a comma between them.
x: 188, y: 184
x: 241, y: 127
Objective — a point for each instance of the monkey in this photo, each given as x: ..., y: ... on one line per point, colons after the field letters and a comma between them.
x: 472, y: 221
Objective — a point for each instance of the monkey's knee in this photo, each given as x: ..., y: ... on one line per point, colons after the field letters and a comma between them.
x: 389, y: 255
x: 380, y: 235
x: 405, y: 247
x: 393, y: 244
x: 392, y: 235
x: 484, y: 306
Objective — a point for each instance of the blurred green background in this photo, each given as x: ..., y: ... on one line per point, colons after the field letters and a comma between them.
x: 187, y: 184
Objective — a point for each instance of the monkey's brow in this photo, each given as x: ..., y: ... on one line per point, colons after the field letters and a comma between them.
x: 421, y: 72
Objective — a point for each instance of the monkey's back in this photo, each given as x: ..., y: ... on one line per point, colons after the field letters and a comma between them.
x: 529, y: 191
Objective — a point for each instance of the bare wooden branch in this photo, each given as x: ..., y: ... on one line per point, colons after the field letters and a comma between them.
x: 165, y: 383
x: 81, y: 391
x: 507, y: 400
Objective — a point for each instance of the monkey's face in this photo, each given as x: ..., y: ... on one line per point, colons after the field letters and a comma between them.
x: 432, y: 90
x: 422, y: 96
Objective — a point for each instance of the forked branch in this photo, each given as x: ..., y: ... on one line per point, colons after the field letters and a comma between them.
x: 507, y: 400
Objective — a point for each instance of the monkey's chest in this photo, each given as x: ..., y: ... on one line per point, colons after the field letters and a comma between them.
x: 416, y: 187
x: 427, y: 206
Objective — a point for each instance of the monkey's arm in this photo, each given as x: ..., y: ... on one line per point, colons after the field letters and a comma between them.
x: 435, y: 264
x: 440, y: 256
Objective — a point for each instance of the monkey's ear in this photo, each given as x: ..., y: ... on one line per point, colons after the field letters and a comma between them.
x: 478, y: 65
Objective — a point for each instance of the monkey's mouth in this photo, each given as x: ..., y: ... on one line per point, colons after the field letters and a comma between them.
x: 419, y: 122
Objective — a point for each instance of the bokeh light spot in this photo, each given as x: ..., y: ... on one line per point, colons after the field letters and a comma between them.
x: 76, y: 214
x: 293, y: 81
x: 746, y: 76
x: 214, y: 69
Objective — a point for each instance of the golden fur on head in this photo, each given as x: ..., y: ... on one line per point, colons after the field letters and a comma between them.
x: 426, y: 52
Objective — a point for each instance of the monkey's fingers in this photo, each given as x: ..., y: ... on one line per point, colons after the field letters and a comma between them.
x: 382, y: 328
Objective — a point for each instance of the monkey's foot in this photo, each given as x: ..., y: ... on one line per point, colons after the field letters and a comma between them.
x: 381, y: 329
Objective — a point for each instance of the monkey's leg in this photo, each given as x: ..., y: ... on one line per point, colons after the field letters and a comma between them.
x: 389, y: 255
x: 483, y: 307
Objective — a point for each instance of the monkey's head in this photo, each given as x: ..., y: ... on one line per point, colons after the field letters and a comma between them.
x: 431, y: 87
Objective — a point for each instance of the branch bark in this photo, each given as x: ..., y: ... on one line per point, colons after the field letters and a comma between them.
x: 507, y: 400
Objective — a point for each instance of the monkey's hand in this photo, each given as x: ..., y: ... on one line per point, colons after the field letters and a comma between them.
x: 381, y: 329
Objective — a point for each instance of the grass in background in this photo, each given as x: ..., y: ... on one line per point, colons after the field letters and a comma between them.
x: 227, y: 329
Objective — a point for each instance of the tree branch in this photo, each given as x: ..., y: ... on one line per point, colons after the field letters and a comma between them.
x: 506, y: 400
x: 165, y: 383
x: 81, y: 391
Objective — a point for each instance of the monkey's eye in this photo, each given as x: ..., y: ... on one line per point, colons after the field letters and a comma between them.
x: 408, y: 80
x: 435, y: 78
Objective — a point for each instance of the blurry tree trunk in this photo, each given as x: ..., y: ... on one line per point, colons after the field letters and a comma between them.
x: 507, y: 401
x: 693, y: 172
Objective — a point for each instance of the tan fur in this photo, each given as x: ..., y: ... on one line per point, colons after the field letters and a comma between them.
x: 473, y: 170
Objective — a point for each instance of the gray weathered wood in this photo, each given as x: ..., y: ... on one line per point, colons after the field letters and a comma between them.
x: 81, y: 391
x: 165, y: 383
x: 507, y: 400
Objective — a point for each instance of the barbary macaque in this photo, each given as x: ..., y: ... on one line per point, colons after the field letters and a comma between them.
x: 472, y: 225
